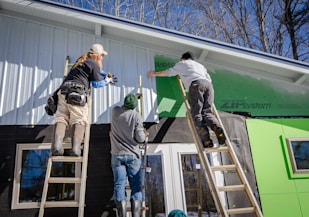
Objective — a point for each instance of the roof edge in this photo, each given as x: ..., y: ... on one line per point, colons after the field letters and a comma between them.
x: 218, y: 44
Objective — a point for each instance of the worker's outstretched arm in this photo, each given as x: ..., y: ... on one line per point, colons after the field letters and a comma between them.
x: 153, y: 73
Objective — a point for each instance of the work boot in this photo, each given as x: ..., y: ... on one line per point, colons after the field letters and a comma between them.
x: 58, y: 134
x: 220, y: 134
x: 121, y: 208
x: 78, y: 131
x: 76, y: 147
x: 208, y: 143
x: 203, y: 133
x: 136, y: 206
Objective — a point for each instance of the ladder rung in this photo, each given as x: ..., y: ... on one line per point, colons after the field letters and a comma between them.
x: 224, y: 167
x: 218, y: 149
x: 240, y: 210
x: 72, y: 203
x: 66, y: 159
x: 64, y: 180
x: 232, y: 188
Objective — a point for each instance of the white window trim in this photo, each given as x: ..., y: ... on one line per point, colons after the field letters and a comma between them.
x: 17, y: 174
x: 292, y: 155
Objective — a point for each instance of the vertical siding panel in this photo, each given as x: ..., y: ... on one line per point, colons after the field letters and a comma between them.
x: 14, y: 58
x: 73, y: 46
x: 27, y: 74
x: 4, y: 47
x: 42, y: 84
x: 58, y: 55
x: 151, y: 96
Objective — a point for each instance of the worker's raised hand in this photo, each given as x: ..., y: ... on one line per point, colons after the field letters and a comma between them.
x: 110, y: 78
x: 138, y: 95
x: 146, y: 133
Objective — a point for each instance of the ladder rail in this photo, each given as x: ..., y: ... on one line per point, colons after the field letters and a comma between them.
x: 240, y: 171
x: 82, y: 193
x: 236, y: 166
x: 209, y: 175
x: 45, y: 188
x: 204, y: 162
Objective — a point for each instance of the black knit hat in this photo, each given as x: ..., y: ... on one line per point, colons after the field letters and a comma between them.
x: 130, y: 101
x: 187, y: 55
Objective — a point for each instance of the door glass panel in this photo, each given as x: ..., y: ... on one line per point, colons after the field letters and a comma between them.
x: 197, y: 193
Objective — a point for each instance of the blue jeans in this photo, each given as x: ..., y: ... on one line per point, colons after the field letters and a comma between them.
x: 123, y: 166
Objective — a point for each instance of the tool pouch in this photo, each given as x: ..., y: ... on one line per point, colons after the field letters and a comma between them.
x: 75, y: 94
x: 75, y: 98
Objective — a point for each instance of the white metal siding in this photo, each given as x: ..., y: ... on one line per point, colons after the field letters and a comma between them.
x: 32, y: 61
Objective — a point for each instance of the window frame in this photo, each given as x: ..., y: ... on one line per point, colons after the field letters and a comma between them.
x: 293, y: 170
x: 18, y: 171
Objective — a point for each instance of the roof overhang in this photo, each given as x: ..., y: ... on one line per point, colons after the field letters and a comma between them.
x: 165, y: 41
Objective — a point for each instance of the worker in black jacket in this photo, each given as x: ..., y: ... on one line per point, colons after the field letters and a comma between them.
x: 72, y: 107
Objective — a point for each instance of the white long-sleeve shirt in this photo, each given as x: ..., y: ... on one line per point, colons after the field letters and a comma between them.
x: 189, y: 70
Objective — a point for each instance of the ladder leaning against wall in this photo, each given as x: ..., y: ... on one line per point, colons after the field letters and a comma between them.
x: 209, y: 170
x: 80, y: 181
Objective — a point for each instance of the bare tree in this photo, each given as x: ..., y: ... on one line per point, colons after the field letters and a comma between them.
x: 295, y: 18
x: 279, y: 27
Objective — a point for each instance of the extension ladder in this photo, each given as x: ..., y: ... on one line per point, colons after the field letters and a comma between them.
x: 209, y: 170
x: 78, y: 181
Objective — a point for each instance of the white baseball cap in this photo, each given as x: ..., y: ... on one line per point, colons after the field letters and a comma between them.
x: 98, y: 49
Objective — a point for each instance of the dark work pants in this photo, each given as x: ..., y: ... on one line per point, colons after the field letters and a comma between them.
x: 201, y: 98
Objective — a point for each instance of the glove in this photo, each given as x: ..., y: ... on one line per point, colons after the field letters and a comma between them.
x: 138, y: 95
x: 110, y: 78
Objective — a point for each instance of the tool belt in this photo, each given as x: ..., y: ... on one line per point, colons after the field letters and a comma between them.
x: 75, y: 94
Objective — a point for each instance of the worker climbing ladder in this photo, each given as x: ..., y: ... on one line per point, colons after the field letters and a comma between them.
x: 78, y: 181
x: 209, y: 170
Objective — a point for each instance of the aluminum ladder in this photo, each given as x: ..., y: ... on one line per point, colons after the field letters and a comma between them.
x: 209, y: 170
x: 78, y: 181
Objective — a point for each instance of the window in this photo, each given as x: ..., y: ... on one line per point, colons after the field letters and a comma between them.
x: 298, y: 151
x: 197, y: 192
x: 154, y: 187
x: 30, y: 166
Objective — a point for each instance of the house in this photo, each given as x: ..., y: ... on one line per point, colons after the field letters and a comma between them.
x: 262, y: 98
